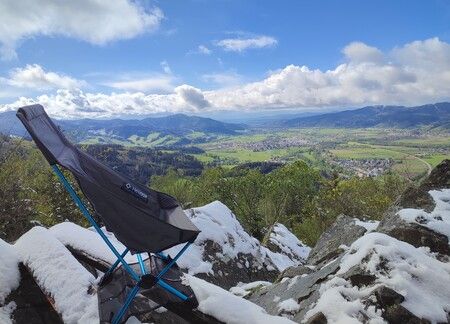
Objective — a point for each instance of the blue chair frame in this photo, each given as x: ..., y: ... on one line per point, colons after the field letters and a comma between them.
x: 120, y: 257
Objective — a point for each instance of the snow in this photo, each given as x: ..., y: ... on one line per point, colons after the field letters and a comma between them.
x: 294, y: 252
x: 217, y: 223
x: 58, y: 273
x: 438, y: 220
x: 413, y: 272
x: 341, y: 303
x: 227, y: 307
x: 369, y: 225
x: 9, y: 270
x: 6, y: 312
x: 89, y: 241
x: 243, y: 289
x: 288, y: 306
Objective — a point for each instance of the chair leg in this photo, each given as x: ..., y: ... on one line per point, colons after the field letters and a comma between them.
x: 118, y: 317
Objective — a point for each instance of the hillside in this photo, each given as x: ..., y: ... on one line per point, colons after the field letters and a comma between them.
x: 430, y: 115
x: 168, y: 130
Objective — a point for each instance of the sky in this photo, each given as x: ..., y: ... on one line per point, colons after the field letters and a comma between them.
x: 92, y: 58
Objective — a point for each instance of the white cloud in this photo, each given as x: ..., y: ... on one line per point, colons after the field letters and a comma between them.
x: 418, y: 72
x: 415, y: 73
x: 154, y: 84
x: 242, y: 44
x: 358, y: 52
x: 223, y: 79
x: 166, y: 68
x: 202, y: 49
x: 96, y: 22
x: 34, y: 77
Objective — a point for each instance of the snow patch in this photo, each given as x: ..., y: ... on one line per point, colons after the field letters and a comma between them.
x: 413, y: 272
x: 294, y: 251
x: 6, y: 312
x: 9, y: 270
x: 89, y: 241
x: 227, y: 307
x: 243, y: 289
x: 218, y: 224
x: 288, y: 306
x: 438, y: 220
x: 369, y: 225
x: 60, y: 275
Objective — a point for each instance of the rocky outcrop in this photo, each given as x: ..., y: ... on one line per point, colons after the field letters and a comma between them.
x: 417, y: 233
x: 344, y: 231
x: 356, y: 274
x: 225, y: 254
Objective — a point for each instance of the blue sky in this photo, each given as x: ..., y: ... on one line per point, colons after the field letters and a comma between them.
x: 197, y: 54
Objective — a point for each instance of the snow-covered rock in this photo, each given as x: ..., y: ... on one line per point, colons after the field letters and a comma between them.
x: 224, y: 253
x: 60, y: 275
x: 396, y: 273
x: 285, y: 249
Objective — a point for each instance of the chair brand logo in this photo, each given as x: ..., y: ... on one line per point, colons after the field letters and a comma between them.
x: 136, y: 192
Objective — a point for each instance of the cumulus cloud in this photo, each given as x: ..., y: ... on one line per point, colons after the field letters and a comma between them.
x: 415, y: 73
x: 96, y: 22
x: 34, y: 77
x: 243, y: 44
x: 192, y: 96
x: 358, y: 52
x: 418, y: 72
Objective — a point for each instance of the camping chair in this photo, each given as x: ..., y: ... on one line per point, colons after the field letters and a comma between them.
x: 144, y: 220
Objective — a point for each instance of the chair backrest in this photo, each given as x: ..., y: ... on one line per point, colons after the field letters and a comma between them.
x: 144, y: 220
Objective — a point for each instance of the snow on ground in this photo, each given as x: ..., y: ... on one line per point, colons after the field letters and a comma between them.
x: 438, y: 220
x: 60, y: 275
x: 227, y: 307
x: 9, y: 270
x: 217, y: 223
x: 413, y: 272
x: 243, y: 289
x: 370, y: 226
x: 89, y: 241
x: 295, y: 252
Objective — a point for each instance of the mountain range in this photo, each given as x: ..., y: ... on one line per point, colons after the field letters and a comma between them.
x: 430, y: 115
x: 181, y: 129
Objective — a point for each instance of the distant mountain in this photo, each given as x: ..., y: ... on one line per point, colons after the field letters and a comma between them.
x: 170, y: 128
x: 433, y: 115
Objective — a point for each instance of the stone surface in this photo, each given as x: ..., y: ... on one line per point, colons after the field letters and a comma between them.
x: 33, y: 307
x: 303, y: 289
x: 344, y: 231
x: 419, y: 198
x: 295, y: 271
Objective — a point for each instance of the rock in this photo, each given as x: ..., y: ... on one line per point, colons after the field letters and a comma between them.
x: 359, y: 277
x: 295, y: 271
x: 398, y: 314
x: 318, y: 318
x: 32, y: 304
x: 344, y: 231
x: 387, y: 297
x: 285, y: 249
x: 303, y: 289
x: 224, y: 253
x: 419, y: 198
